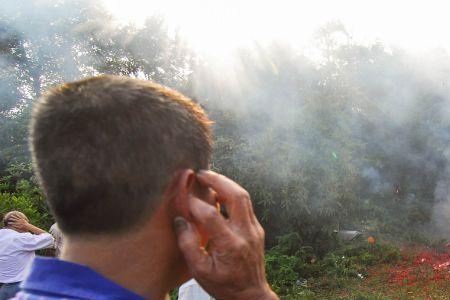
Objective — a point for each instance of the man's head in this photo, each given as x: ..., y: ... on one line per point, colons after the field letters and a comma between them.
x: 8, y: 218
x: 105, y: 149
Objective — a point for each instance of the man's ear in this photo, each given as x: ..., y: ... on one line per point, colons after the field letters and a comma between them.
x: 183, y: 186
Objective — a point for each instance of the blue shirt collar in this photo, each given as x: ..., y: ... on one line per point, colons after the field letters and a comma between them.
x: 63, y: 279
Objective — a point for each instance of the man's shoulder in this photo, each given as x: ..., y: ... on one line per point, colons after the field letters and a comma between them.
x: 52, y: 278
x: 8, y: 231
x: 12, y: 234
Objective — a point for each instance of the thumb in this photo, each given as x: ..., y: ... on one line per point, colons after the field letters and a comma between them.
x: 189, y: 243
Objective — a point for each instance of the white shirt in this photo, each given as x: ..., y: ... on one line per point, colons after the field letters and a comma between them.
x: 17, y: 253
x: 191, y: 290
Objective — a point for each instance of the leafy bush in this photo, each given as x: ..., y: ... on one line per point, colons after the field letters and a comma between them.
x: 281, y: 271
x: 19, y: 191
x: 293, y: 270
x: 30, y: 206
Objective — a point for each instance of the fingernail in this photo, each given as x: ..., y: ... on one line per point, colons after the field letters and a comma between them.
x: 180, y: 224
x: 201, y: 172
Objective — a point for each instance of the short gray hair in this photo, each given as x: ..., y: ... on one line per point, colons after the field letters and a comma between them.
x: 11, y: 214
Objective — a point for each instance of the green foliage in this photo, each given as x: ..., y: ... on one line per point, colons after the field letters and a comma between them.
x: 352, y: 261
x: 173, y: 294
x: 43, y: 44
x: 357, y: 139
x: 19, y: 191
x: 298, y: 134
x: 281, y: 271
x: 31, y: 207
x: 293, y: 270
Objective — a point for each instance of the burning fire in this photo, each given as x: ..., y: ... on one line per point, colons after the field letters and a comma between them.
x: 425, y: 267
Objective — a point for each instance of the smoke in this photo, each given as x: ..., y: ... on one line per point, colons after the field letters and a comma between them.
x: 353, y: 132
x: 42, y: 41
x: 376, y: 182
x: 362, y: 130
x: 441, y: 211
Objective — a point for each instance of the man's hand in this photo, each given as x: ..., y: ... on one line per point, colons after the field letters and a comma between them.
x: 233, y: 265
x: 18, y: 223
x: 22, y: 225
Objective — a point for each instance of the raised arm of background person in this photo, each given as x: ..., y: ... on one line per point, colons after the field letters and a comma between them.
x: 22, y: 224
x: 35, y: 238
x: 233, y: 266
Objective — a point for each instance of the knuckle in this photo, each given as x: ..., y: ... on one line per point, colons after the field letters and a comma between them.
x: 248, y: 201
x: 256, y: 235
x: 239, y: 244
x: 211, y: 214
x: 261, y: 233
x: 245, y: 195
x: 240, y: 193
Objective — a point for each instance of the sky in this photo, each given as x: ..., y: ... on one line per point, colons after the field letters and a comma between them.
x: 217, y: 25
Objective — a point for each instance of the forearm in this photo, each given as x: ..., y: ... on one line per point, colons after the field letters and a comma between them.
x: 35, y: 230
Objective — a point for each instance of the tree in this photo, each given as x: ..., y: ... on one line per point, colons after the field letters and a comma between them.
x: 44, y: 43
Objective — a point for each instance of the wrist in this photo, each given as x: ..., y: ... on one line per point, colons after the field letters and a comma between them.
x: 268, y: 295
x: 28, y: 227
x: 33, y: 229
x: 264, y: 293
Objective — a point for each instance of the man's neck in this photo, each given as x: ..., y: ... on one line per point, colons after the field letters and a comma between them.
x: 141, y: 261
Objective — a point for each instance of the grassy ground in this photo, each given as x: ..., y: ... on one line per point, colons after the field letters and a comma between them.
x: 376, y: 288
x: 421, y: 274
x: 364, y: 272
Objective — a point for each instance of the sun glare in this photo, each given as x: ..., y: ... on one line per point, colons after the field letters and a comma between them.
x: 218, y: 26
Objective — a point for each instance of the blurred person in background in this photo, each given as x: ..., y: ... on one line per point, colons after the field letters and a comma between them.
x: 191, y: 290
x: 58, y: 236
x: 18, y: 241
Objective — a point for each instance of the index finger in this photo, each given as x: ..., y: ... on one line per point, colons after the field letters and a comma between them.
x: 235, y: 198
x: 210, y: 218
